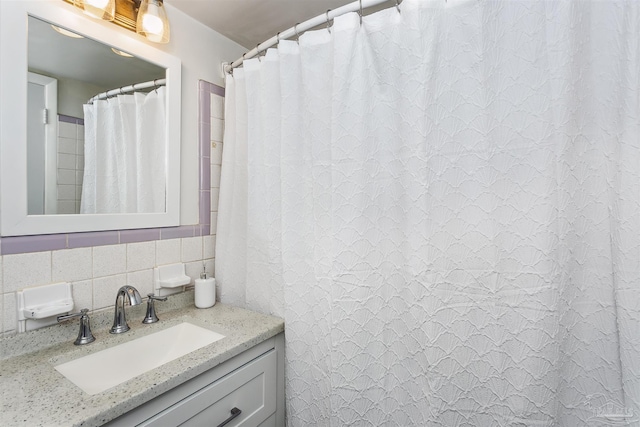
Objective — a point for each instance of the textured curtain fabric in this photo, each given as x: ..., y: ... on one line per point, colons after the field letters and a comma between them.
x: 444, y: 205
x: 124, y: 154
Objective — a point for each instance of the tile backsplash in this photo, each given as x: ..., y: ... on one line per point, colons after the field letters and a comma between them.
x: 98, y: 263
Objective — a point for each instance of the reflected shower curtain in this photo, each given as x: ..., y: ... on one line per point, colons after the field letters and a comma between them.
x: 444, y: 205
x: 124, y: 154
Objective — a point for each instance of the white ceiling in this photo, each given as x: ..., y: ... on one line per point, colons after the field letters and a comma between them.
x: 249, y: 22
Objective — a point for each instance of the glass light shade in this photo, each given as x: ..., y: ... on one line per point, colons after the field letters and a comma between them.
x: 100, y: 9
x: 152, y: 21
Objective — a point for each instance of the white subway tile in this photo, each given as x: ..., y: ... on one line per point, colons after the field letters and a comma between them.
x: 217, y: 130
x: 26, y: 270
x: 215, y: 195
x: 70, y: 265
x: 141, y: 256
x: 66, y: 192
x: 66, y: 176
x: 105, y: 290
x: 216, y: 153
x: 82, y: 292
x: 80, y: 147
x: 66, y: 161
x: 217, y: 107
x: 79, y: 177
x: 167, y: 251
x: 214, y: 222
x: 193, y: 270
x: 215, y: 175
x: 80, y: 132
x: 191, y: 249
x: 67, y: 130
x: 109, y: 260
x: 80, y: 162
x: 208, y: 246
x: 67, y: 145
x: 141, y: 280
x: 66, y: 206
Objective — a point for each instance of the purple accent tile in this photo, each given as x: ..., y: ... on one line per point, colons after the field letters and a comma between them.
x: 206, y: 229
x: 69, y: 119
x: 204, y: 112
x: 218, y: 90
x: 98, y: 238
x: 205, y: 139
x: 205, y: 207
x: 139, y: 235
x: 205, y: 174
x: 22, y: 244
x: 177, y: 232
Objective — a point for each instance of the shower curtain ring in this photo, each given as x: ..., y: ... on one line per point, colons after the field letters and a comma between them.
x: 360, y: 13
x: 328, y: 21
x: 155, y: 86
x: 398, y: 5
x: 278, y: 38
x: 295, y: 28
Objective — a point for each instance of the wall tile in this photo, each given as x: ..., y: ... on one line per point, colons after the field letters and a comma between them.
x: 168, y: 251
x: 214, y: 222
x: 67, y: 145
x: 105, y: 290
x: 82, y: 293
x: 216, y: 153
x: 109, y: 260
x: 208, y: 246
x: 191, y: 249
x: 217, y: 130
x: 71, y: 265
x: 66, y: 161
x: 141, y: 256
x: 216, y: 171
x: 215, y: 195
x: 141, y: 280
x: 217, y: 107
x: 67, y: 130
x: 67, y: 192
x: 26, y: 270
x: 66, y: 176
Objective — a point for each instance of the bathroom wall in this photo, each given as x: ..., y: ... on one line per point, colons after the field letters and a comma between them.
x: 70, y: 164
x: 97, y: 263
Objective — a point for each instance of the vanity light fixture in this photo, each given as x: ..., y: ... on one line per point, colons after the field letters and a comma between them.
x: 152, y: 21
x: 100, y: 9
x: 146, y: 17
x: 121, y: 53
x: 67, y: 33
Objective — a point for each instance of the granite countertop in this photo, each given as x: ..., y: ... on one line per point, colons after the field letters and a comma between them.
x: 33, y: 393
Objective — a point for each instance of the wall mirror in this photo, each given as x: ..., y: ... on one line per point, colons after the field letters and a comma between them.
x: 81, y: 150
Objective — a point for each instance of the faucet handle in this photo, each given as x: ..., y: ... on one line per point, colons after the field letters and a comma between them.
x: 84, y: 334
x: 151, y: 316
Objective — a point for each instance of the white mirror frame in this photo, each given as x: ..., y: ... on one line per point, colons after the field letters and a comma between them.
x: 14, y: 220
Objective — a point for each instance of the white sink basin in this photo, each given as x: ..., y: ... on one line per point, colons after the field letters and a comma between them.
x: 100, y: 371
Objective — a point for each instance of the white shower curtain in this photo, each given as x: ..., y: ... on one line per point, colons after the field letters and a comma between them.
x: 444, y: 206
x: 124, y: 154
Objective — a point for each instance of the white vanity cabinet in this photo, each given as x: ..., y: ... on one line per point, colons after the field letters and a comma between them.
x: 251, y: 382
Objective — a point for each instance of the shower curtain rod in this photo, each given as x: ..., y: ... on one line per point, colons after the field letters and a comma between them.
x: 130, y: 88
x: 299, y: 28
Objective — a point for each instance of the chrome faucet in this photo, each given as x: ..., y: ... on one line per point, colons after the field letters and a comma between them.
x: 119, y: 318
x: 84, y: 335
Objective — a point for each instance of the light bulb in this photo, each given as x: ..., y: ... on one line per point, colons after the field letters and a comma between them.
x: 101, y: 9
x: 152, y: 21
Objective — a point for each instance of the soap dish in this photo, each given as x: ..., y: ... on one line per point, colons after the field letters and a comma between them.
x: 168, y: 278
x: 38, y: 307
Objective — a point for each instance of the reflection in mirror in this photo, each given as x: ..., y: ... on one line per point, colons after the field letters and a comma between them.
x: 99, y: 156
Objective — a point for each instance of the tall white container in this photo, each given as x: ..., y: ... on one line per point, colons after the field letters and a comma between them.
x: 205, y: 291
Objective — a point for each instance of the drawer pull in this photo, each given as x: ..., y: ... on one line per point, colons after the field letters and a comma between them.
x: 234, y: 413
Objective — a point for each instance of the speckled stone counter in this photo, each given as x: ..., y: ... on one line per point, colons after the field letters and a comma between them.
x: 33, y: 393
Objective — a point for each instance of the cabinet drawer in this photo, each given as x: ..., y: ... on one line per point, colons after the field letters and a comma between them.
x: 249, y: 388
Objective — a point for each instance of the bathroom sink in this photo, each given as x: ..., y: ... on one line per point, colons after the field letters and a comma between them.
x: 100, y: 371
